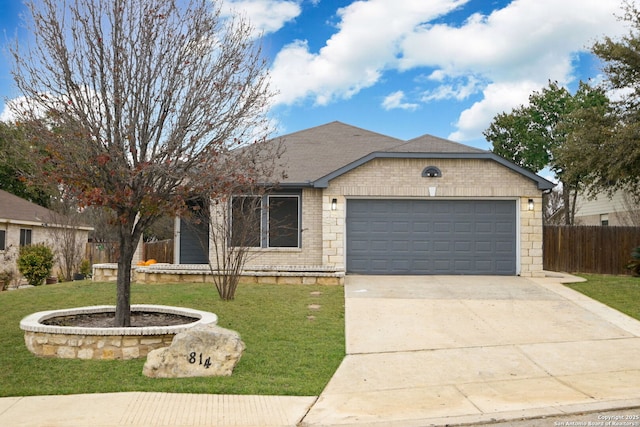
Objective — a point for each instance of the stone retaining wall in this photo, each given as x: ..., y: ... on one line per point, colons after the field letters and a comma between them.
x: 70, y: 342
x: 191, y: 273
x: 65, y: 346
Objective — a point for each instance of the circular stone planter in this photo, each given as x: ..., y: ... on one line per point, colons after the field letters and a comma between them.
x: 70, y: 342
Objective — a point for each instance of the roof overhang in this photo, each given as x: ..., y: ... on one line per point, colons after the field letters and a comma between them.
x: 28, y: 223
x: 542, y: 183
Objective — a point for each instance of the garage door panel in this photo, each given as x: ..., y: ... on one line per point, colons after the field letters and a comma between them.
x: 431, y: 237
x: 442, y: 227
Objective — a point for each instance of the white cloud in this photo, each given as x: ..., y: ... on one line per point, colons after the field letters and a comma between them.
x: 503, y: 56
x: 395, y: 101
x: 366, y: 44
x: 520, y: 47
x: 266, y: 16
x: 497, y: 97
x: 459, y: 91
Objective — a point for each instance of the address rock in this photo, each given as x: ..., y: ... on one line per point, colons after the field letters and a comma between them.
x: 202, y: 351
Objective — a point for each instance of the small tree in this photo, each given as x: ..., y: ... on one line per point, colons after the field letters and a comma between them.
x: 69, y: 248
x: 35, y: 262
x: 143, y: 99
x: 234, y: 216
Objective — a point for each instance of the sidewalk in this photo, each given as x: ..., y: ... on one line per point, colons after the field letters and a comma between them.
x: 153, y: 409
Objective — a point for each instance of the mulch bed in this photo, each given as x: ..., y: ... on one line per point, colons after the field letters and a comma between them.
x: 107, y: 320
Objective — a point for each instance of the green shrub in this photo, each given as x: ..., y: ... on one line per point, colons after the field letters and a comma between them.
x: 35, y: 263
x: 634, y: 263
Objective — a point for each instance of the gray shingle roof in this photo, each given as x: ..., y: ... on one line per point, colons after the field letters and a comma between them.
x: 17, y: 209
x: 433, y: 144
x: 313, y: 153
x: 314, y: 156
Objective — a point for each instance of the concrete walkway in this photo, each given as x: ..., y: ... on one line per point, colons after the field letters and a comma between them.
x: 429, y: 350
x: 457, y: 350
x: 151, y: 410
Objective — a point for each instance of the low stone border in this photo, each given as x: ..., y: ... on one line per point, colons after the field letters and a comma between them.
x: 70, y: 342
x: 196, y: 273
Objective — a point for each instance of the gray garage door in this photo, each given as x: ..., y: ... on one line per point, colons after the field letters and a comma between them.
x: 431, y: 237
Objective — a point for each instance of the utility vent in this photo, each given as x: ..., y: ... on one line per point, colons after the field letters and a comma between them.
x: 431, y: 172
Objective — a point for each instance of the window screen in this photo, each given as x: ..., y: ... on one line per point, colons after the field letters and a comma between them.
x: 284, y: 227
x: 245, y: 221
x: 25, y: 237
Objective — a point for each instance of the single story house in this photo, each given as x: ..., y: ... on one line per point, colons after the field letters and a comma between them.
x: 358, y: 202
x: 618, y: 210
x: 25, y: 223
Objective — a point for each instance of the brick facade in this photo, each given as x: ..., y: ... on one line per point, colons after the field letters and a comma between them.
x: 324, y: 229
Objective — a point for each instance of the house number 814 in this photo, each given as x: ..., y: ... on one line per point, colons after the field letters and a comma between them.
x: 194, y: 357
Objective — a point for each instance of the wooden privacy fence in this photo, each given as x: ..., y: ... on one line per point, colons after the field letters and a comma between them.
x: 161, y: 251
x: 100, y: 253
x: 589, y: 249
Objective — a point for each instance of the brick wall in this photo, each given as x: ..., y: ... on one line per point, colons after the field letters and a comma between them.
x: 460, y: 178
x: 310, y: 252
x: 324, y: 232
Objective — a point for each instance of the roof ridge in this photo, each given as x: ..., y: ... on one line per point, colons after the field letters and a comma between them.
x: 338, y: 122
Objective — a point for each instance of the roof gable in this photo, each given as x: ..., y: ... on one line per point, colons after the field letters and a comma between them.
x: 433, y: 144
x: 16, y: 208
x: 313, y: 153
x: 21, y: 211
x: 314, y: 156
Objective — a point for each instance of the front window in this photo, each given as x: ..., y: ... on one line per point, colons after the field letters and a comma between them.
x: 284, y: 224
x: 25, y: 237
x: 271, y: 221
x: 3, y: 240
x: 246, y: 221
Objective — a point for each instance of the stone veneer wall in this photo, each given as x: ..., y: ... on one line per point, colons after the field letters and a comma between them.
x: 69, y: 342
x: 94, y: 347
x: 181, y: 273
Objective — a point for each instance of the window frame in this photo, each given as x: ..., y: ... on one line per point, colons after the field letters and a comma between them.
x: 231, y: 241
x: 298, y: 219
x: 26, y: 234
x: 3, y: 240
x: 265, y: 219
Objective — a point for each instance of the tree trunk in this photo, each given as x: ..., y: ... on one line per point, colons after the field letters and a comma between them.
x: 123, y: 291
x: 128, y: 242
x: 573, y: 207
x: 566, y: 201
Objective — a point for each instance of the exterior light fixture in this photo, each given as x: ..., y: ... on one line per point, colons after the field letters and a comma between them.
x: 334, y: 204
x: 530, y: 205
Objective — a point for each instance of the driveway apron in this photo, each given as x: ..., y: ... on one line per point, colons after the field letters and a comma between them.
x: 437, y: 350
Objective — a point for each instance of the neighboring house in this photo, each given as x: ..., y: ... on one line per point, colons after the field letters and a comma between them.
x: 617, y: 210
x: 359, y: 202
x: 25, y: 223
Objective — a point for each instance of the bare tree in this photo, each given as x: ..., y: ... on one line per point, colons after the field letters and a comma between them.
x: 554, y: 203
x: 143, y: 99
x: 68, y: 248
x: 234, y: 217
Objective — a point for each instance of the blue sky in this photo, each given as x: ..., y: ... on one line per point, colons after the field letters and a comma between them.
x: 406, y: 68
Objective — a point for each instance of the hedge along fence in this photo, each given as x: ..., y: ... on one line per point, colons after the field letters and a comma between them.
x: 589, y: 249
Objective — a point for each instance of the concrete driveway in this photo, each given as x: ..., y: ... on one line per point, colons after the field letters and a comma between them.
x: 436, y: 350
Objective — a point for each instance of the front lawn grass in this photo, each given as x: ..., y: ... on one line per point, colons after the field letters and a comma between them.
x: 287, y: 352
x: 619, y: 292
